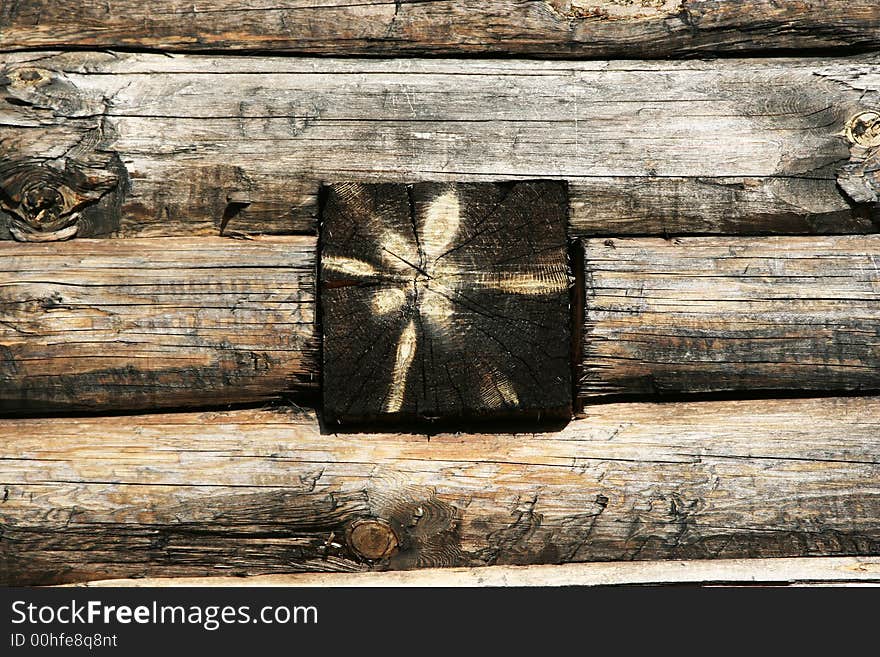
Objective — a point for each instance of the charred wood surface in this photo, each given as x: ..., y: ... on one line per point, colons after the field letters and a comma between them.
x: 445, y: 301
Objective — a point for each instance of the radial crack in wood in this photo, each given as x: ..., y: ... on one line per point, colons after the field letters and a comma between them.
x: 445, y: 301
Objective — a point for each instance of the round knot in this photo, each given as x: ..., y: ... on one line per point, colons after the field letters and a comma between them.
x: 372, y: 539
x: 29, y: 77
x: 44, y: 201
x: 863, y: 129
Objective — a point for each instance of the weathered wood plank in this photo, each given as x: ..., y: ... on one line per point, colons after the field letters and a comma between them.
x: 731, y: 314
x: 567, y: 28
x: 251, y: 492
x: 801, y: 571
x: 132, y: 324
x: 196, y: 143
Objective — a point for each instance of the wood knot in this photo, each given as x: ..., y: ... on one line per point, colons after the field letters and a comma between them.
x: 44, y: 203
x: 863, y: 129
x: 860, y: 177
x: 28, y: 77
x: 372, y: 539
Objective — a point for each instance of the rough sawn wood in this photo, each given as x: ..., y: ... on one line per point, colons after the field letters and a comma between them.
x: 796, y: 570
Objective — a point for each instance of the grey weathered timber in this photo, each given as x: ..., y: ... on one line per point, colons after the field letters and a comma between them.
x: 554, y: 28
x: 706, y: 314
x: 144, y: 323
x: 188, y: 145
x: 793, y: 570
x: 259, y: 492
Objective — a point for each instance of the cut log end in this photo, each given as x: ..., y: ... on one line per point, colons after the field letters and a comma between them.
x: 445, y: 301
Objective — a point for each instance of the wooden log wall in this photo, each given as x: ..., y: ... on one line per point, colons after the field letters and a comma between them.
x: 165, y: 243
x: 698, y: 315
x: 176, y: 322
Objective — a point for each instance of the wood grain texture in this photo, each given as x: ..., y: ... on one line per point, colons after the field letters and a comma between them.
x: 555, y: 28
x: 445, y: 301
x: 800, y: 571
x: 731, y: 314
x: 259, y: 492
x: 144, y: 323
x: 243, y: 143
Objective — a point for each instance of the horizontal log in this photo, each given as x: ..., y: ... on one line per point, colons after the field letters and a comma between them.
x: 148, y: 145
x: 143, y: 323
x: 801, y: 571
x: 578, y: 28
x: 262, y: 492
x: 695, y: 315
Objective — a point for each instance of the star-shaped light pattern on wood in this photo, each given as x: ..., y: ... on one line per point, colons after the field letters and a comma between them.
x: 445, y: 301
